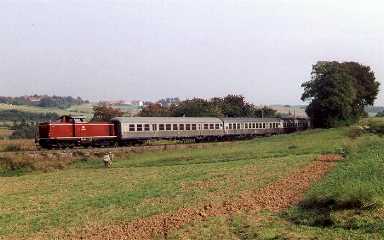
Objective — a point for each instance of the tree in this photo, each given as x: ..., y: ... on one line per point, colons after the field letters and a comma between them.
x: 105, y: 112
x: 337, y: 93
x: 364, y: 82
x: 155, y: 110
x: 196, y: 107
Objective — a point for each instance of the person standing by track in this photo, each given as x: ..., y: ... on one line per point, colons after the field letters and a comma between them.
x: 108, y: 159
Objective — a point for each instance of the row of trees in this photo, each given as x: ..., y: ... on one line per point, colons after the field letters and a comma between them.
x: 43, y: 101
x: 18, y: 116
x: 339, y: 92
x: 229, y: 106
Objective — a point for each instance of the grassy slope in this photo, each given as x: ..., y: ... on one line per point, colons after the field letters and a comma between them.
x: 148, y: 183
x: 84, y: 109
x: 347, y: 204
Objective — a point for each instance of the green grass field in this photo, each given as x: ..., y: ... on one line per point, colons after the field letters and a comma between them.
x: 139, y: 185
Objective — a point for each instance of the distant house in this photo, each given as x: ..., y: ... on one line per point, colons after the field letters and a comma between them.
x: 34, y: 99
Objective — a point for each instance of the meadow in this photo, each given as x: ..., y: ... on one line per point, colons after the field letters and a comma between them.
x: 84, y: 195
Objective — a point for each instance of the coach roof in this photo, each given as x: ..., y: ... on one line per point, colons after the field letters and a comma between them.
x: 167, y: 120
x: 245, y: 120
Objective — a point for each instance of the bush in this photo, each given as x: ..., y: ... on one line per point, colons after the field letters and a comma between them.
x: 376, y: 126
x: 355, y: 132
x: 24, y: 131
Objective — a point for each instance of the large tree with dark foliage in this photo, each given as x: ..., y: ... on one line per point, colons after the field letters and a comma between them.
x: 104, y: 112
x: 339, y: 92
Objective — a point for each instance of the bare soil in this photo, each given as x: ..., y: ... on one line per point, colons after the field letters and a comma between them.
x: 275, y: 197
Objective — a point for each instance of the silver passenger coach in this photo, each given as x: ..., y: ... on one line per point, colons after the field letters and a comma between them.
x: 142, y: 128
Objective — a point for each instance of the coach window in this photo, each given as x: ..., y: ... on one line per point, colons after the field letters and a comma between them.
x: 211, y: 126
x: 217, y: 126
x: 263, y: 125
x: 205, y: 126
x: 146, y: 127
x: 154, y: 127
x: 230, y: 126
x: 188, y: 127
x: 131, y: 127
x: 168, y: 127
x: 238, y: 126
x: 181, y: 127
x: 199, y: 126
x: 139, y: 127
x: 193, y: 126
x: 174, y: 127
x: 246, y: 125
x: 161, y: 127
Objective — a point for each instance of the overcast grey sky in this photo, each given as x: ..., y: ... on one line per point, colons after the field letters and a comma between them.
x: 137, y: 49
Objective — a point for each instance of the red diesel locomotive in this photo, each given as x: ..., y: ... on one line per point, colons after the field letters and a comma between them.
x: 70, y: 131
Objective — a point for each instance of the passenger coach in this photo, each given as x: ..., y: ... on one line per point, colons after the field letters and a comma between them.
x: 131, y: 129
x: 252, y: 126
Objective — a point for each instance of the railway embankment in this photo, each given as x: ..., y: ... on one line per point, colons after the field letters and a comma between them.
x: 22, y: 161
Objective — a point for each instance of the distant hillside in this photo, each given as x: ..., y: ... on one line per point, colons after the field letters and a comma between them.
x: 374, y: 109
x: 44, y: 101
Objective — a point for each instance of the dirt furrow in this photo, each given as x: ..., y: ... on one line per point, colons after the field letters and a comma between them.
x: 275, y: 197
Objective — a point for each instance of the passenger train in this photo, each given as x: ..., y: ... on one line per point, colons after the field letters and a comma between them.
x: 73, y: 131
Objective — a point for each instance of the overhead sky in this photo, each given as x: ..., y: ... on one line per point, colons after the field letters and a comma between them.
x: 138, y: 49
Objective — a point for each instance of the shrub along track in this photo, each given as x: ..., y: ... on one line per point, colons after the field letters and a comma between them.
x: 275, y: 197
